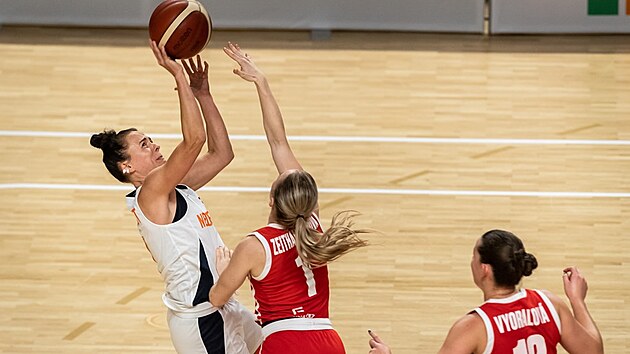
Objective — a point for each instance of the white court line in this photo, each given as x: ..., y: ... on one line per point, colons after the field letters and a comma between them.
x: 338, y: 191
x: 363, y: 139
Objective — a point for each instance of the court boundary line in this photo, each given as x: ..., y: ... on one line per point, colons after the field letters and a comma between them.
x: 364, y: 191
x: 362, y: 139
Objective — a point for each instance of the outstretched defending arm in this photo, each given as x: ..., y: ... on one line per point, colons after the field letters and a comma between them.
x: 281, y: 152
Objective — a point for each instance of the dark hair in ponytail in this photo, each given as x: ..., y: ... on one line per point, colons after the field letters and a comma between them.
x: 114, y: 150
x: 295, y: 199
x: 505, y: 252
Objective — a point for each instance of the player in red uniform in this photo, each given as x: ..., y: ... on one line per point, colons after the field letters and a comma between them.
x: 286, y: 260
x: 517, y: 321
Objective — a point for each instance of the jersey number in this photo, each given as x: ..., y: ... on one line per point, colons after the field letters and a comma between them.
x: 535, y: 344
x: 310, y: 277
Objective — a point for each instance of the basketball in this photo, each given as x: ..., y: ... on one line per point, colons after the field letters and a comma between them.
x: 183, y: 27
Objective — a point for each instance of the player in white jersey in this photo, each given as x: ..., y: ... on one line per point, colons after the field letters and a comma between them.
x: 173, y: 221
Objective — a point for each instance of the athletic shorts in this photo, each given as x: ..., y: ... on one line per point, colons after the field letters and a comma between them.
x: 230, y: 330
x: 303, y: 342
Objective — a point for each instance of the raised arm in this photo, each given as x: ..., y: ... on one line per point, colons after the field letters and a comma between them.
x: 579, y: 332
x: 219, y: 153
x: 281, y: 152
x: 163, y: 179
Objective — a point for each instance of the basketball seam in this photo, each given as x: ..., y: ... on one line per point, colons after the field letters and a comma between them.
x: 176, y: 22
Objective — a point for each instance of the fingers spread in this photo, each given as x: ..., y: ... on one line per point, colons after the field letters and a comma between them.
x: 189, y: 71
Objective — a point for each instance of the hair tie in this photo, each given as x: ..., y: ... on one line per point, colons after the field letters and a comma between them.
x: 301, y: 216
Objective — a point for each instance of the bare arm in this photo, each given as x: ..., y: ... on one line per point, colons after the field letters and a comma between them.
x: 467, y: 335
x: 579, y: 331
x: 219, y: 153
x: 234, y: 268
x: 162, y: 180
x: 281, y: 152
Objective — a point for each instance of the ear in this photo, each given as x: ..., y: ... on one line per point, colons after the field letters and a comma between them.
x: 271, y: 201
x: 126, y: 168
x: 487, y: 270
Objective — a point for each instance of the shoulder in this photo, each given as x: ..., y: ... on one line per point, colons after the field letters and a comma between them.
x: 556, y: 301
x: 250, y: 247
x: 559, y: 305
x: 467, y: 335
x: 250, y: 253
x: 469, y: 322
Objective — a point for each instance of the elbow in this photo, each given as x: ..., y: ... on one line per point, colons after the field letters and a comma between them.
x: 200, y: 140
x: 224, y: 156
x: 229, y: 157
x: 195, y: 143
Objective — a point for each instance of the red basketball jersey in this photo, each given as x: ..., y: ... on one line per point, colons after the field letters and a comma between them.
x: 524, y: 323
x: 287, y: 288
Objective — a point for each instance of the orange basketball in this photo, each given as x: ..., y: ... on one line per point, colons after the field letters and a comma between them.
x: 182, y: 26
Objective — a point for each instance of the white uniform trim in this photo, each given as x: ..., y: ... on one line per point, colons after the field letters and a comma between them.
x: 552, y: 309
x: 521, y: 294
x: 267, y: 267
x: 297, y: 324
x: 313, y: 221
x: 489, y: 330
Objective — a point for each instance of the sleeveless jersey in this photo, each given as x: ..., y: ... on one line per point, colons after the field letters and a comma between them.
x: 287, y: 288
x: 524, y: 323
x: 184, y: 252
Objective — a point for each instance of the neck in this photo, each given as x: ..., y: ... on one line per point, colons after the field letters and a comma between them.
x: 499, y: 293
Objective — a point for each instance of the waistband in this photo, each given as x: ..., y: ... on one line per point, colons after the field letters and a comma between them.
x: 194, y: 312
x: 296, y: 324
x: 199, y: 310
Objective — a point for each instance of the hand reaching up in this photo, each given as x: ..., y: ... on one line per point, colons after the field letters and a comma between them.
x: 165, y: 61
x: 248, y: 70
x: 198, y: 75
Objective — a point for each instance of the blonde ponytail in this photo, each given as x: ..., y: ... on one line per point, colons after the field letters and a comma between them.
x: 317, y: 249
x: 295, y: 199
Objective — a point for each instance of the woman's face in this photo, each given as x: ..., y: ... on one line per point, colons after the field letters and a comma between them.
x: 144, y: 155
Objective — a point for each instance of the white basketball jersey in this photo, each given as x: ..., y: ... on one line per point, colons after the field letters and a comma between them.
x: 184, y: 252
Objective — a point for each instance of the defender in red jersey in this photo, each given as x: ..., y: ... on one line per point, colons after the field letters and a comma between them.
x: 286, y: 260
x: 517, y: 321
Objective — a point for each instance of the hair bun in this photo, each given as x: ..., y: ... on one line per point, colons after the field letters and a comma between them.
x: 529, y: 264
x: 102, y: 139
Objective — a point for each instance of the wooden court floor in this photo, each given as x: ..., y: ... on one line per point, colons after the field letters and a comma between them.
x: 412, y: 117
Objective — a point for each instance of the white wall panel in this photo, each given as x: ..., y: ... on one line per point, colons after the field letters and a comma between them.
x: 404, y: 15
x: 557, y: 16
